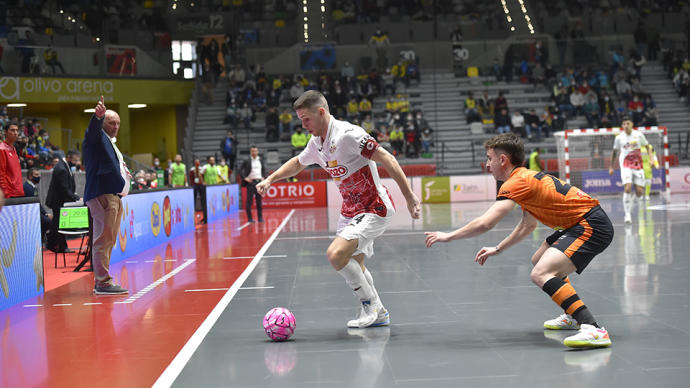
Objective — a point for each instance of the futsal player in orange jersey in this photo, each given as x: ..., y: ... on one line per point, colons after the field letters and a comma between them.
x: 582, y: 230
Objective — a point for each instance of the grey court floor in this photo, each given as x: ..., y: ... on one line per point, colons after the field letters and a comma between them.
x: 453, y: 322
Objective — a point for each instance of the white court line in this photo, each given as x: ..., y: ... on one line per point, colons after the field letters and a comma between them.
x: 170, y: 260
x: 61, y: 304
x: 178, y: 363
x: 257, y: 288
x: 419, y: 233
x: 155, y: 284
x: 92, y: 303
x: 244, y: 226
x: 405, y: 292
x: 33, y: 305
x: 207, y: 289
x: 131, y: 261
x: 251, y: 257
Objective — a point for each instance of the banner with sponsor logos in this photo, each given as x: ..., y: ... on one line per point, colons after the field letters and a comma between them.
x: 21, y: 254
x: 472, y: 188
x: 221, y: 201
x: 294, y: 195
x: 50, y: 90
x: 599, y: 181
x: 679, y: 177
x: 152, y: 218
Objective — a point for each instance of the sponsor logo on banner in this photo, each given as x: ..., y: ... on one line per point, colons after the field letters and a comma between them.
x: 436, y: 189
x: 155, y: 219
x: 9, y: 88
x: 167, y: 216
x: 599, y: 181
x: 296, y: 194
x: 679, y: 177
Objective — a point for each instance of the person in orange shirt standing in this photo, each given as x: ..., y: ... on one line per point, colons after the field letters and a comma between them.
x: 582, y: 230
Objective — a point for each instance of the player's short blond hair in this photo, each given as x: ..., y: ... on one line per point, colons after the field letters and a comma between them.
x: 311, y: 99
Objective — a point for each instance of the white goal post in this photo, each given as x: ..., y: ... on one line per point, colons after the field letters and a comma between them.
x: 584, y: 157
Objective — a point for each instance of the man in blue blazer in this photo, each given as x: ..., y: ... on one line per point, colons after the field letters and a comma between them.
x: 107, y: 181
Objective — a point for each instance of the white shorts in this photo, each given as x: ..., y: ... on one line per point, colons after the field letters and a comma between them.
x: 365, y: 227
x: 636, y: 177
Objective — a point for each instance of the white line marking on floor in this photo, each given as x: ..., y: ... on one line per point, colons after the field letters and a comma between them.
x: 207, y: 289
x: 155, y: 284
x: 257, y: 288
x: 170, y: 260
x: 251, y: 257
x: 391, y: 234
x: 178, y: 363
x: 131, y: 262
x: 149, y: 261
x: 92, y: 303
x: 244, y: 226
x: 61, y: 304
x: 33, y: 305
x: 405, y: 292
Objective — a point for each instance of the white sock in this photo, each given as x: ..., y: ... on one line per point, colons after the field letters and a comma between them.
x: 370, y: 280
x: 627, y: 202
x: 355, y: 278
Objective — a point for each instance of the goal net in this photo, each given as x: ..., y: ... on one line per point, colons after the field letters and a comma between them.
x: 584, y: 158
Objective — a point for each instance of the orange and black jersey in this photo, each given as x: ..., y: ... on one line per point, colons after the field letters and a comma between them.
x: 553, y: 202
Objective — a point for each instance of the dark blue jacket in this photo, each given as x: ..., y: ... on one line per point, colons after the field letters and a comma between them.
x: 102, y: 166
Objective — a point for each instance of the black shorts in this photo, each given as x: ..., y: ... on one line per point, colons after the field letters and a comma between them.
x: 584, y: 240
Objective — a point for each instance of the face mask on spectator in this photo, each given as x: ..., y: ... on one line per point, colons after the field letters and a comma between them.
x: 35, y: 179
x: 45, y: 137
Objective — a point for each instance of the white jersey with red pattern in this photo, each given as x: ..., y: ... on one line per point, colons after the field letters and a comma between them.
x: 630, y: 149
x: 346, y: 155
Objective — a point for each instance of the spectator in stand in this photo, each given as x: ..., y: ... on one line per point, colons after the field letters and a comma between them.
x: 427, y: 139
x: 228, y: 148
x: 399, y: 72
x: 10, y: 170
x: 338, y: 99
x: 260, y: 102
x: 237, y: 76
x: 226, y: 50
x: 411, y: 142
x: 518, y: 123
x: 50, y: 56
x: 502, y: 121
x: 299, y: 140
x: 352, y: 108
x: 577, y: 100
x: 533, y: 124
x: 62, y: 189
x: 178, y: 172
x: 397, y: 138
x: 471, y: 113
x: 501, y: 102
x: 640, y: 36
x: 496, y: 70
x: 538, y: 75
x: 347, y: 71
x: 379, y: 40
x: 272, y: 125
x: 412, y: 73
x: 384, y: 139
x: 33, y: 178
x: 388, y: 82
x: 285, y: 123
x: 231, y: 113
x: 365, y: 107
x: 636, y: 110
x: 485, y: 105
x: 246, y: 114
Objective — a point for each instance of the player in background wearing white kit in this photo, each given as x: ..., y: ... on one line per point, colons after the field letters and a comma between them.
x: 349, y: 155
x: 627, y: 147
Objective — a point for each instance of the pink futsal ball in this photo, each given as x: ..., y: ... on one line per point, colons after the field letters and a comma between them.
x: 279, y: 324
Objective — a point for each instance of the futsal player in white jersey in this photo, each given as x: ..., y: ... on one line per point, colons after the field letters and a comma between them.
x: 628, y: 149
x: 349, y: 155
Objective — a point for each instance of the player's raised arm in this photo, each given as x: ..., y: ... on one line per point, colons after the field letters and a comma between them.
x: 479, y: 225
x: 291, y: 168
x: 395, y: 171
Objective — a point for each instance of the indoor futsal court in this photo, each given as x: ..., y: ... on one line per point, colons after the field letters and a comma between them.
x: 193, y: 317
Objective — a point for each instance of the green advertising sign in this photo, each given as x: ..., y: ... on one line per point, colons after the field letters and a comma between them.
x: 74, y: 217
x: 436, y: 189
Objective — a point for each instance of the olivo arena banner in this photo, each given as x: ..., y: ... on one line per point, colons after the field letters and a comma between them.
x: 49, y: 90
